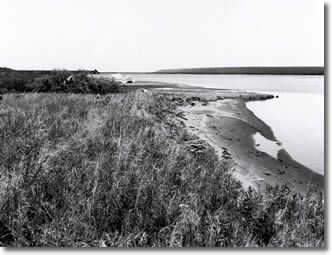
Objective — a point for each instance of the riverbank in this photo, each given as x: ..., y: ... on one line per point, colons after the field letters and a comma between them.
x: 229, y: 126
x: 222, y: 119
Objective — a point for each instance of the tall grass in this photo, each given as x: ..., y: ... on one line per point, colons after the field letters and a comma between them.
x: 80, y: 170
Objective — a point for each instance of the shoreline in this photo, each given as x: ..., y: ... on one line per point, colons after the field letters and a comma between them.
x: 221, y: 118
x: 229, y: 126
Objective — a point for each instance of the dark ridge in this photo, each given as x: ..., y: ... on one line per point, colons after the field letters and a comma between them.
x: 295, y: 70
x: 33, y: 73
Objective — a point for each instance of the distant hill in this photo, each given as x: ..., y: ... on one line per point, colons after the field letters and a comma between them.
x: 296, y: 70
x: 5, y: 72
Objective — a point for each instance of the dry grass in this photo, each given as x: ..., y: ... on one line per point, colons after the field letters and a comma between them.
x: 81, y: 170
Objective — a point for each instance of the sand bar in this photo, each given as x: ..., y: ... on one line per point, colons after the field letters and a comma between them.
x: 229, y: 126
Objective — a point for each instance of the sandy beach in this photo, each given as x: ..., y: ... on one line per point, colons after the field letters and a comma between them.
x: 229, y: 126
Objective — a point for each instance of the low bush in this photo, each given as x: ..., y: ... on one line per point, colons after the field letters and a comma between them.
x: 57, y: 81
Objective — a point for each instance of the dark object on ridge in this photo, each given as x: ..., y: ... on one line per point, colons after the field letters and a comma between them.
x: 226, y: 153
x: 197, y: 146
x: 177, y: 99
x: 193, y: 99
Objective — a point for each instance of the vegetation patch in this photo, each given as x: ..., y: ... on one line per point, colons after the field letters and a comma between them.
x: 83, y: 170
x: 56, y: 81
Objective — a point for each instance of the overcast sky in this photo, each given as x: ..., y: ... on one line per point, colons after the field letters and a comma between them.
x: 147, y: 35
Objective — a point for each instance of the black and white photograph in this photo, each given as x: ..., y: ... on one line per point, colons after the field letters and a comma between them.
x: 162, y: 124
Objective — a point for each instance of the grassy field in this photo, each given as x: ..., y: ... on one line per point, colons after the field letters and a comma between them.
x: 116, y: 170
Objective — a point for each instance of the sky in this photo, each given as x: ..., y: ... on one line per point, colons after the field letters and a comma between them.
x: 148, y: 35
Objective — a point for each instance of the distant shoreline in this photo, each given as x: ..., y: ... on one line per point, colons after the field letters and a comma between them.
x: 315, y: 70
x: 308, y: 74
x: 296, y: 70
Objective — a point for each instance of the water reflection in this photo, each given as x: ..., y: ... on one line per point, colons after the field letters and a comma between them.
x: 297, y: 121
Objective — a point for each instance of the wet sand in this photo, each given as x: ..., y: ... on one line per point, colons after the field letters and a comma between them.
x: 221, y: 118
x: 229, y: 126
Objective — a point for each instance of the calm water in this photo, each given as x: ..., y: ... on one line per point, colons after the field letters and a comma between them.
x: 267, y: 83
x: 296, y: 117
x: 297, y: 120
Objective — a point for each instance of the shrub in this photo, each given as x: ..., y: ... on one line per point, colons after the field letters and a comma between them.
x: 56, y: 81
x: 66, y: 82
